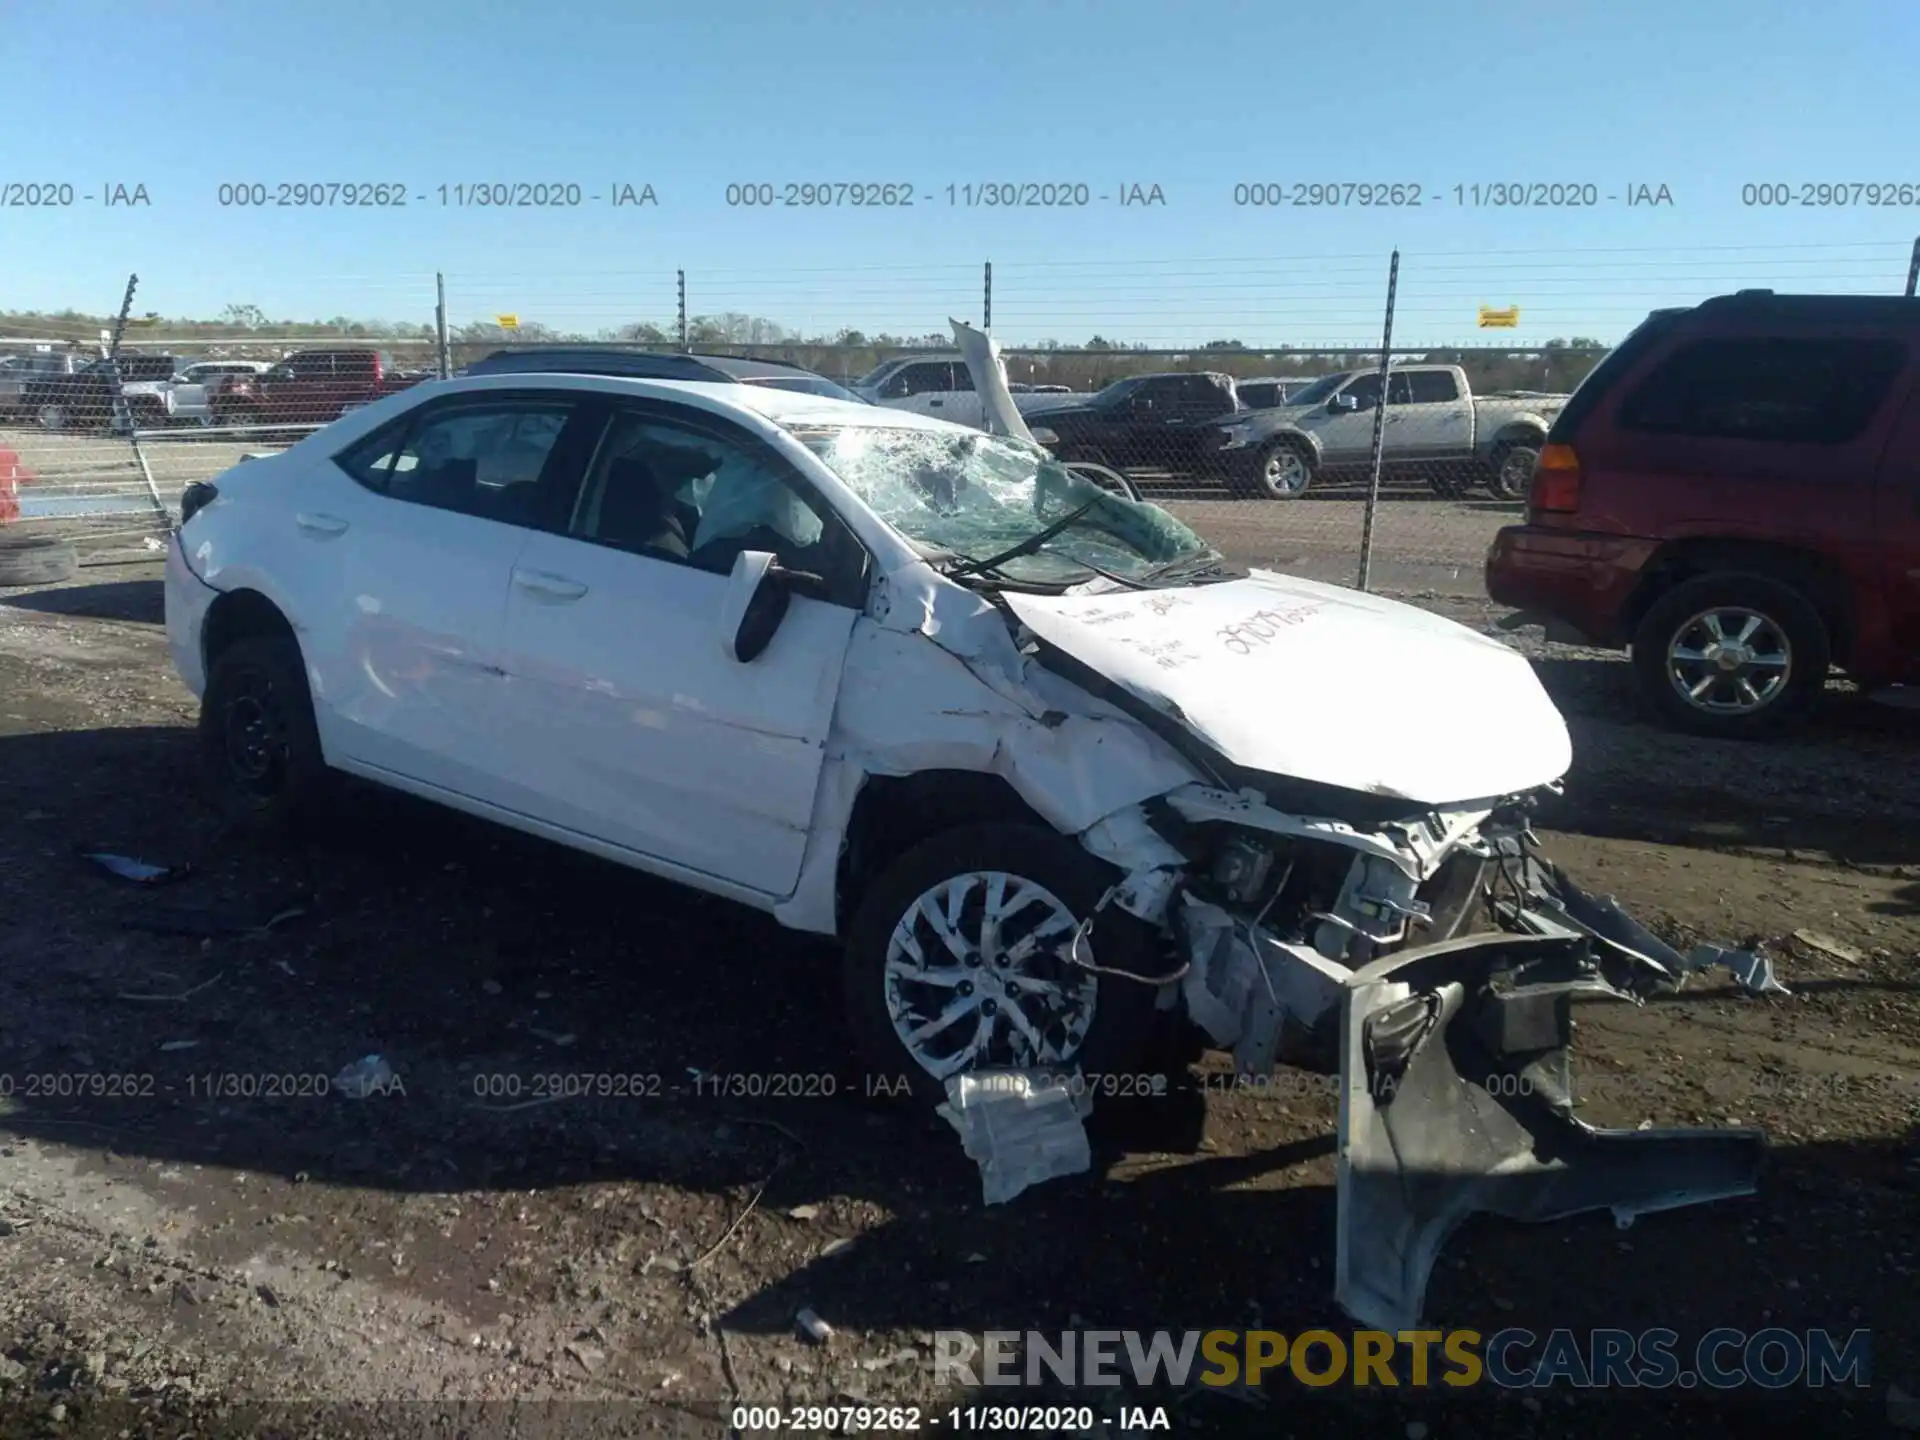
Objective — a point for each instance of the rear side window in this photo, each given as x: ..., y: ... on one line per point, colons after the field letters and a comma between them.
x: 1432, y: 387
x: 1785, y: 390
x: 1260, y: 397
x: 482, y: 459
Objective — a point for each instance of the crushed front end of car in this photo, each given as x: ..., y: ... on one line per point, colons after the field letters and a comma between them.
x: 1431, y: 962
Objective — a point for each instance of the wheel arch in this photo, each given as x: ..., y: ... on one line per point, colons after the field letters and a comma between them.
x: 238, y: 615
x: 1814, y: 575
x: 893, y: 813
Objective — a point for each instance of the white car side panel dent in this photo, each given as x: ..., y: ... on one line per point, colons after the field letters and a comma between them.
x: 907, y: 706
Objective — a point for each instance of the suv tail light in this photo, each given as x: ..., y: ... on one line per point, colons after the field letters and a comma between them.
x: 1556, y: 481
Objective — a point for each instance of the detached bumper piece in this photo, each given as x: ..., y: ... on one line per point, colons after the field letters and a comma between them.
x: 1457, y: 1098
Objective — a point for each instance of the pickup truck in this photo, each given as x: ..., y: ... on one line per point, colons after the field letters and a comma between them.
x: 310, y: 387
x: 84, y: 399
x: 17, y: 372
x: 1434, y: 426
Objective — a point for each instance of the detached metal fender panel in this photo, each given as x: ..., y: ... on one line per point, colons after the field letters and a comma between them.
x: 1456, y: 1098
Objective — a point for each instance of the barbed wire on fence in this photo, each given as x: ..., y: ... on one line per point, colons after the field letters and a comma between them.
x: 1463, y: 411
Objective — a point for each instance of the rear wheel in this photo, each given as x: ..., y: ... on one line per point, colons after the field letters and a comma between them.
x: 1732, y: 656
x: 958, y: 959
x: 1513, y: 471
x: 53, y: 417
x: 258, y: 739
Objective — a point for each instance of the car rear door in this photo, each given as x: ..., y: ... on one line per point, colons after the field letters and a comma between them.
x: 633, y: 725
x: 1427, y: 417
x: 1897, y: 523
x: 403, y: 552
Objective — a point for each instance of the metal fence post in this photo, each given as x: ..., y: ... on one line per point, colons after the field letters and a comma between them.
x: 122, y: 412
x: 442, y: 349
x: 986, y: 301
x: 1379, y: 428
x: 1913, y: 267
x: 680, y: 281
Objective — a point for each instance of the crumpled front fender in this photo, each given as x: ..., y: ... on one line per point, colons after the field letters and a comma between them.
x: 1456, y: 1098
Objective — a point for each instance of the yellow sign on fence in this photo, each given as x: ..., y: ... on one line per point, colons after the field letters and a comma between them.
x: 507, y: 322
x: 1491, y: 319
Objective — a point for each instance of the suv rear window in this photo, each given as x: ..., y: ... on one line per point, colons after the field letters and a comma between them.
x: 1794, y: 390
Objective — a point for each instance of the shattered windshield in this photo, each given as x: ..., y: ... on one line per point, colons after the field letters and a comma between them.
x: 974, y: 496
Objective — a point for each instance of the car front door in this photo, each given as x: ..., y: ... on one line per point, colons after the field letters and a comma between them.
x: 404, y: 548
x: 633, y: 724
x: 1346, y: 437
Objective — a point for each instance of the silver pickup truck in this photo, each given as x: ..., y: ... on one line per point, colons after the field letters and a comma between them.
x: 1434, y: 426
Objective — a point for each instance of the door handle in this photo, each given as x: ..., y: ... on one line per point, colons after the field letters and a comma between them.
x: 935, y: 404
x: 548, y: 586
x: 327, y: 525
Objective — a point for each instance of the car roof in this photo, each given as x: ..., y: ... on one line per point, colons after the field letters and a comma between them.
x: 604, y: 360
x: 1894, y: 310
x: 783, y: 407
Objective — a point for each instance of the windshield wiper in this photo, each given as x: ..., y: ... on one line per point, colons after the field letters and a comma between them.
x: 1189, y: 567
x: 1026, y: 547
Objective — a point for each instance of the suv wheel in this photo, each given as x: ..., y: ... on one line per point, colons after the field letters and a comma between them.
x: 1283, y: 471
x: 257, y: 735
x: 53, y: 417
x: 958, y: 959
x: 1731, y: 656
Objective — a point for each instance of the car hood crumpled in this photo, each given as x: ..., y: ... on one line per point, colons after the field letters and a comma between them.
x: 1322, y: 684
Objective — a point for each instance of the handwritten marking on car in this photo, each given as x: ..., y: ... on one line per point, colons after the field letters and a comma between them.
x: 1262, y: 625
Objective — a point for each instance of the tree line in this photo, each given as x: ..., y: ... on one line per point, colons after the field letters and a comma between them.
x: 246, y: 330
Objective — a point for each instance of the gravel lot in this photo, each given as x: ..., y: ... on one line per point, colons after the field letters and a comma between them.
x: 638, y: 1262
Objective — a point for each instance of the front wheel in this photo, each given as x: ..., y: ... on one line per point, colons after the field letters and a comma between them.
x: 960, y: 958
x: 1283, y: 471
x: 1731, y: 656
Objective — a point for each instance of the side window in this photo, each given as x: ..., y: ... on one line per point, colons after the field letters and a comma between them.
x: 1366, y: 389
x: 1260, y: 397
x: 1399, y: 389
x: 929, y: 377
x: 482, y: 460
x: 690, y: 493
x: 309, y: 367
x: 1433, y: 387
x: 1818, y: 392
x: 961, y: 378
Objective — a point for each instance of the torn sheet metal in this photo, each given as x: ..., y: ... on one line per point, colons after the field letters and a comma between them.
x: 1457, y: 1098
x: 1020, y: 1126
x: 1249, y: 991
x: 1541, y: 899
x: 990, y: 382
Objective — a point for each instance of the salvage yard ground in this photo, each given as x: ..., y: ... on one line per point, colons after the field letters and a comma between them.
x: 474, y: 1238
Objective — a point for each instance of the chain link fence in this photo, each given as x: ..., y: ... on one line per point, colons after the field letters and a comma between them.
x: 1271, y: 450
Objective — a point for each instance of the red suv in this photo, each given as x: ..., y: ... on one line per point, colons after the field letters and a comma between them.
x: 310, y: 387
x: 1734, y: 495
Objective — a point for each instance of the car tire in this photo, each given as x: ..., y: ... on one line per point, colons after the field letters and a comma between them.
x: 36, y: 560
x: 242, y: 417
x: 1771, y: 637
x: 1512, y: 475
x: 1109, y: 1031
x: 1282, y: 471
x: 258, y: 740
x: 53, y: 417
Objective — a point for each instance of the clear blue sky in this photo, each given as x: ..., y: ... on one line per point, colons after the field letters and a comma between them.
x: 1701, y: 96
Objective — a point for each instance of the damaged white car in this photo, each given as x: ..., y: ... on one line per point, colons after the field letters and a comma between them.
x: 1059, y: 775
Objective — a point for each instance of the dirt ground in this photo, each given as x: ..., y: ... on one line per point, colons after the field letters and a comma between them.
x: 175, y: 1242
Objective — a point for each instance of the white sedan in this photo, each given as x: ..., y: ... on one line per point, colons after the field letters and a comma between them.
x: 886, y: 678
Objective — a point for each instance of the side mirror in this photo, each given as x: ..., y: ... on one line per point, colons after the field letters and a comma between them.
x: 756, y: 602
x: 1343, y: 405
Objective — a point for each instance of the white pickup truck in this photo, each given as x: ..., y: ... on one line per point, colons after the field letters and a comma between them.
x: 942, y: 386
x: 186, y: 396
x: 1434, y: 426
